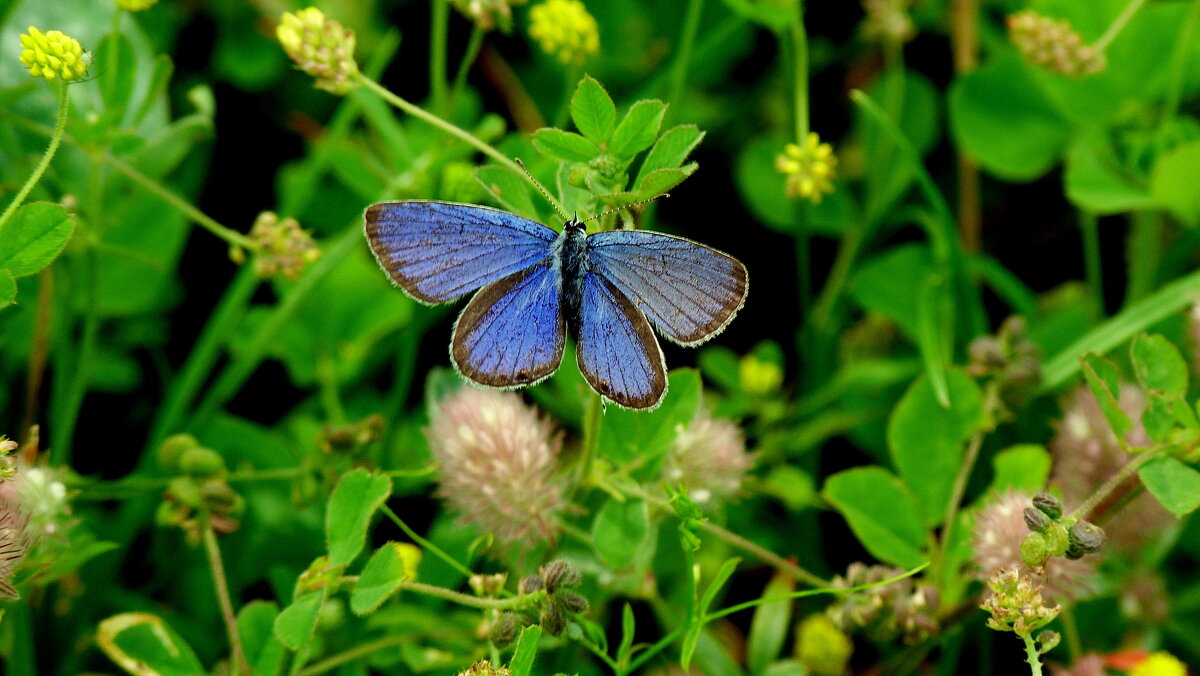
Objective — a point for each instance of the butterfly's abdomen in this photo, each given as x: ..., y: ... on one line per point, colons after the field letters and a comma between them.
x: 571, y: 252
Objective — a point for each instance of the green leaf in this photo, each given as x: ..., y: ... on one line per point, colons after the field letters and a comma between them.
x: 144, y: 645
x: 926, y: 439
x: 628, y: 630
x: 1105, y: 381
x: 890, y: 284
x: 355, y: 498
x: 1158, y: 364
x: 619, y: 531
x: 1001, y: 118
x: 509, y: 188
x: 593, y: 111
x: 1173, y: 181
x: 768, y: 629
x: 381, y: 577
x: 1023, y: 467
x: 637, y: 129
x: 692, y: 636
x: 661, y: 181
x: 564, y: 145
x: 671, y: 149
x: 1158, y: 419
x: 1174, y: 484
x: 882, y: 513
x: 777, y: 15
x: 8, y: 288
x: 33, y: 237
x: 255, y: 626
x: 294, y: 626
x: 1096, y: 181
x: 521, y: 663
x: 115, y: 57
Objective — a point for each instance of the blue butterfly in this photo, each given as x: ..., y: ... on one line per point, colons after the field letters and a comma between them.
x: 535, y: 284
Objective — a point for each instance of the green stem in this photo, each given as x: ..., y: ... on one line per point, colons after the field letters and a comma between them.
x: 1179, y: 63
x: 187, y: 383
x: 1071, y: 634
x: 205, y: 221
x: 359, y: 651
x: 766, y: 556
x: 683, y: 57
x: 468, y: 59
x: 570, y: 77
x: 327, y: 377
x: 238, y: 656
x: 1092, y: 260
x: 1145, y: 253
x: 59, y: 126
x: 991, y: 401
x: 800, y: 77
x: 1118, y: 24
x: 1114, y: 482
x: 839, y: 277
x: 440, y: 22
x: 513, y: 603
x: 454, y: 131
x: 1032, y: 656
x: 426, y: 544
x: 67, y: 414
x: 591, y: 439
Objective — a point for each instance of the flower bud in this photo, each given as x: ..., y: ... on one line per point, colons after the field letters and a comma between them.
x: 1048, y: 504
x: 809, y: 167
x: 172, y: 448
x: 504, y: 630
x: 200, y: 462
x: 1084, y: 538
x: 573, y: 602
x: 530, y: 584
x: 1034, y: 550
x: 564, y: 29
x: 559, y: 573
x: 1057, y: 539
x: 1036, y: 519
x: 53, y: 55
x: 552, y: 619
x: 487, y: 586
x: 321, y: 47
x: 1047, y: 640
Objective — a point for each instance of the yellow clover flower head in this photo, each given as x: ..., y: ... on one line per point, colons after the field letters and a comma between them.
x: 322, y: 47
x: 809, y: 168
x: 135, y: 5
x: 488, y: 14
x: 53, y: 55
x: 759, y: 377
x: 1159, y: 664
x: 565, y: 30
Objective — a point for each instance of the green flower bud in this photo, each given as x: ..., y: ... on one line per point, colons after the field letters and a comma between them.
x: 219, y: 497
x: 573, y: 602
x: 166, y: 515
x: 530, y: 584
x: 1050, y: 505
x: 172, y: 447
x: 1035, y: 550
x: 53, y: 55
x: 320, y: 47
x: 185, y: 492
x: 1057, y: 539
x: 560, y: 573
x: 201, y: 462
x: 552, y: 619
x: 1047, y: 640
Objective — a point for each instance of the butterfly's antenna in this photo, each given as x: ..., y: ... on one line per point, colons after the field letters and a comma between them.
x: 627, y: 206
x: 540, y: 188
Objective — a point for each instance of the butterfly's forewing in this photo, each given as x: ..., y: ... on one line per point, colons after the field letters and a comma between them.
x: 438, y: 251
x: 617, y: 352
x: 689, y: 291
x: 512, y: 332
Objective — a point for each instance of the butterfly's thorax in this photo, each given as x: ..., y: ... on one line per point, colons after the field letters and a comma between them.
x: 570, y: 253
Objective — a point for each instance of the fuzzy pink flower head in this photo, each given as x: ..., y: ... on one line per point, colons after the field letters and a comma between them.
x: 1086, y: 454
x: 709, y: 458
x: 498, y: 461
x: 999, y: 530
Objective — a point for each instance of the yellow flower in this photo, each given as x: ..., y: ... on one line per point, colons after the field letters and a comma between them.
x: 322, y: 47
x: 759, y: 377
x: 1160, y: 664
x: 135, y: 5
x: 53, y: 55
x: 565, y: 30
x: 1054, y: 44
x: 822, y: 647
x: 488, y: 14
x: 809, y: 168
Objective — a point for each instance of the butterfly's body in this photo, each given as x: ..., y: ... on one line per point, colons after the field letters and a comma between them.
x: 536, y: 285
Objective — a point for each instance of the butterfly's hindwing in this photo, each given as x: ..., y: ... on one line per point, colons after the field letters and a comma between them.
x: 690, y: 292
x: 512, y: 333
x: 438, y: 251
x: 617, y: 352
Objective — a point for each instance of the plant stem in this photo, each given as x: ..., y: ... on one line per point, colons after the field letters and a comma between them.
x: 1179, y: 64
x: 570, y: 77
x: 1092, y: 260
x: 519, y: 602
x: 800, y: 76
x: 238, y: 656
x: 440, y: 21
x: 425, y: 544
x: 1071, y: 634
x: 327, y: 378
x: 1114, y: 481
x: 683, y: 55
x: 205, y: 221
x: 66, y: 415
x: 37, y: 352
x: 454, y: 131
x: 767, y: 556
x: 1145, y: 253
x: 1118, y: 24
x: 334, y: 661
x: 59, y: 126
x: 468, y: 59
x: 1032, y: 656
x: 591, y: 439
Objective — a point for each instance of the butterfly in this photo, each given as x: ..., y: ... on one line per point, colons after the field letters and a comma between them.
x: 534, y: 285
